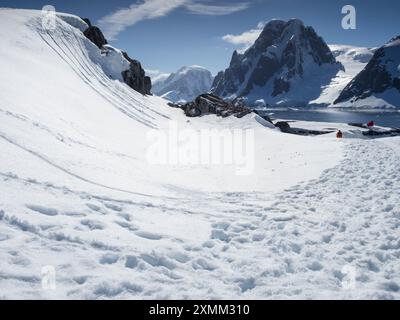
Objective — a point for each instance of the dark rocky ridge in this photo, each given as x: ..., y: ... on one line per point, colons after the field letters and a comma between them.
x: 135, y: 76
x: 376, y: 77
x: 212, y: 104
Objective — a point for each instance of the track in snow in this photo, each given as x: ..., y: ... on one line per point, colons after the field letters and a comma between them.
x: 291, y: 245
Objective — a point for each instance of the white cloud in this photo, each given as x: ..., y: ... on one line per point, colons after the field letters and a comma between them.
x: 121, y: 19
x: 245, y: 39
x: 205, y: 9
x: 118, y: 21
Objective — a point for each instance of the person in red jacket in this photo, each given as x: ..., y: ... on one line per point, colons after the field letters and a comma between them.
x: 339, y: 134
x: 370, y: 124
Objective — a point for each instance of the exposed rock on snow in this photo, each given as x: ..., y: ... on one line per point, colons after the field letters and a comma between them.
x: 116, y: 63
x: 378, y: 85
x: 136, y: 77
x: 184, y: 85
x: 285, y: 57
x: 94, y: 34
x: 212, y: 104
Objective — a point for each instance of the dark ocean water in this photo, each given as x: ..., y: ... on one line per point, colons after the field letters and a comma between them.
x: 381, y: 118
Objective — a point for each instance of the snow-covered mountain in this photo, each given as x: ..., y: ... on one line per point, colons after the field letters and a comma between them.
x: 287, y: 65
x: 184, y: 85
x: 353, y: 59
x: 157, y: 78
x: 378, y: 84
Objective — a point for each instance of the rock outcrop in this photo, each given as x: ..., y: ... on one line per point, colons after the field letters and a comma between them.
x: 94, y: 34
x: 212, y: 104
x: 135, y: 76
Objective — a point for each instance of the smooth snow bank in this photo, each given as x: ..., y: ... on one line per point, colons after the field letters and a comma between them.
x: 78, y: 195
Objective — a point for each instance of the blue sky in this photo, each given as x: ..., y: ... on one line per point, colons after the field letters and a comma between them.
x: 168, y: 34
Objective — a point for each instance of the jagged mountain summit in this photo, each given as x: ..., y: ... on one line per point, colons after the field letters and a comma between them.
x: 378, y: 84
x: 288, y: 64
x: 184, y: 85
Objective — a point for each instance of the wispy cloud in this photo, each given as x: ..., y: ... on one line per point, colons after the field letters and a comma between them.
x: 212, y: 10
x: 245, y: 39
x: 118, y: 21
x: 121, y: 19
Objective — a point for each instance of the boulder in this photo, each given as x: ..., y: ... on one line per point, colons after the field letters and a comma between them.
x: 192, y: 110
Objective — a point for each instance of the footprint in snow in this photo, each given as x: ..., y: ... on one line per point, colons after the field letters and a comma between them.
x: 43, y: 210
x: 113, y: 207
x: 148, y: 235
x: 131, y: 262
x: 109, y: 258
x: 93, y: 224
x: 96, y: 208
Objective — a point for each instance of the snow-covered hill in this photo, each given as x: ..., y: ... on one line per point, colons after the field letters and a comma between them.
x: 287, y: 65
x: 378, y: 84
x: 184, y: 85
x: 79, y: 196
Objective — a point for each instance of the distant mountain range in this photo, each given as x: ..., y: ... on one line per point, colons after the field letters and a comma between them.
x: 290, y: 65
x: 184, y: 85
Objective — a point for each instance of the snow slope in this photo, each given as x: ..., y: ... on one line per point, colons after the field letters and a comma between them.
x: 78, y: 194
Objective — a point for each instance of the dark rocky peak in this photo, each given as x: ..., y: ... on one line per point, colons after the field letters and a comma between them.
x: 282, y: 52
